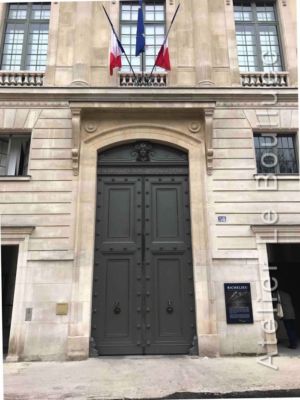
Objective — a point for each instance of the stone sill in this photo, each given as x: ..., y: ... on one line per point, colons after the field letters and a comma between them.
x: 284, y: 177
x: 15, y: 178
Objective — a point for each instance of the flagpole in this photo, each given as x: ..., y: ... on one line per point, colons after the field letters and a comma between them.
x: 119, y: 43
x: 166, y: 38
x: 140, y: 38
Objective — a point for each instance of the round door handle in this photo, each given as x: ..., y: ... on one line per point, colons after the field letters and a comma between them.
x: 117, y: 308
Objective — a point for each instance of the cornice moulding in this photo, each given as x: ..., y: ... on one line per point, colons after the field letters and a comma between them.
x: 16, y: 230
x: 224, y: 97
x: 276, y: 233
x: 268, y: 228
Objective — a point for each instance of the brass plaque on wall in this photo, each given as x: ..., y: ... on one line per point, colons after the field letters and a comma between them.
x: 62, y: 308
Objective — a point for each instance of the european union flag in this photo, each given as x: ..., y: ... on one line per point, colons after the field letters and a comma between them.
x: 140, y: 31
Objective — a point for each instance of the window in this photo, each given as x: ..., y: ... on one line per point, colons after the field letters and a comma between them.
x: 154, y: 17
x: 257, y: 36
x: 14, y: 154
x: 276, y: 153
x: 25, y: 42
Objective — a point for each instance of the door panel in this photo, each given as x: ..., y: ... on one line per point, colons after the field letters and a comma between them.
x: 167, y: 279
x: 119, y: 218
x: 143, y: 299
x: 116, y: 306
x: 166, y: 209
x: 119, y: 199
x: 117, y: 296
x: 171, y: 307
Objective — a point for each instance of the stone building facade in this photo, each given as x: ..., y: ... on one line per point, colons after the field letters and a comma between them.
x: 209, y: 106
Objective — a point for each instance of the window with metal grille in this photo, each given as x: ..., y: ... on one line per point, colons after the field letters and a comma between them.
x: 276, y: 153
x: 14, y: 154
x: 154, y: 18
x: 257, y: 36
x: 25, y: 42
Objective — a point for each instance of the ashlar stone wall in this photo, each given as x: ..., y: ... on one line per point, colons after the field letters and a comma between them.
x: 45, y: 201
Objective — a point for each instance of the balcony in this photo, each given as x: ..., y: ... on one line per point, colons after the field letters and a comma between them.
x: 21, y: 78
x: 142, y: 80
x: 265, y: 79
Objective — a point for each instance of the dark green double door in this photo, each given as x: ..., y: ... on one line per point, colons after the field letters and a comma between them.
x: 143, y: 299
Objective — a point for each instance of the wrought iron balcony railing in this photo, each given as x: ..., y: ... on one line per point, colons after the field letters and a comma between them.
x: 143, y: 80
x: 21, y: 78
x: 265, y: 79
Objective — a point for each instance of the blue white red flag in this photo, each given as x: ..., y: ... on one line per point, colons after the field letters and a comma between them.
x: 116, y: 50
x: 163, y: 57
x: 140, y: 31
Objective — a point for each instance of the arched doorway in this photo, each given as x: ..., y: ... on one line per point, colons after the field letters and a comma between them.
x: 143, y: 289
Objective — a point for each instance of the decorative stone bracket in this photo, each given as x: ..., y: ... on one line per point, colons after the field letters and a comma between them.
x: 209, y: 152
x: 76, y: 121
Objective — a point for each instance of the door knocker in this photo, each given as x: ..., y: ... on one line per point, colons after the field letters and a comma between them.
x: 117, y: 308
x: 170, y: 307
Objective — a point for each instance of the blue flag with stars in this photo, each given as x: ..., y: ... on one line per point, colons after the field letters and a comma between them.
x: 140, y: 31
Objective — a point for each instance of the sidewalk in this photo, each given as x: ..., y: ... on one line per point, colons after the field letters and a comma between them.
x: 146, y: 377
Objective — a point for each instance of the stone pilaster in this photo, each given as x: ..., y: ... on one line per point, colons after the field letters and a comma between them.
x: 202, y: 43
x: 82, y: 44
x: 2, y: 18
x: 287, y: 11
x: 183, y: 34
x: 49, y: 79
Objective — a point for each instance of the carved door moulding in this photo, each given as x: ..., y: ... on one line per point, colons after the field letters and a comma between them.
x: 142, y: 151
x: 134, y: 131
x: 90, y: 127
x: 207, y: 113
x: 195, y: 127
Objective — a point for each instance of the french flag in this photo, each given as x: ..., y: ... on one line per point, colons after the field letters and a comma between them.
x: 115, y: 54
x: 163, y: 57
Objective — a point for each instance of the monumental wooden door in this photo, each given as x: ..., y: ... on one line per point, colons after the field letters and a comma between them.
x: 143, y: 292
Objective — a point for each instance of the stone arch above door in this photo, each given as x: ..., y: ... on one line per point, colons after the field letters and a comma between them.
x: 136, y: 128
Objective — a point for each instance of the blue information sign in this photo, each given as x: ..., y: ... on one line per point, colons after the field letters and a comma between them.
x: 238, y: 303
